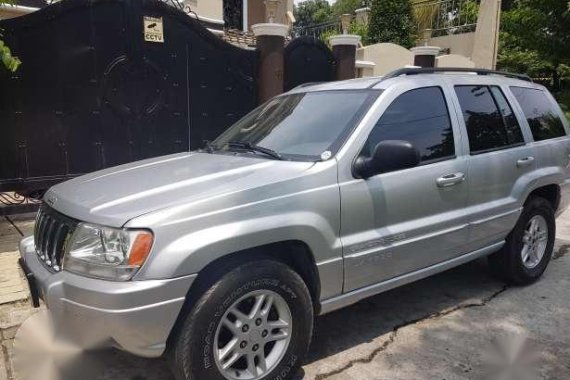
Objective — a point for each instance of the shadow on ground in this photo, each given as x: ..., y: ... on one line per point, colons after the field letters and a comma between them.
x: 361, y: 323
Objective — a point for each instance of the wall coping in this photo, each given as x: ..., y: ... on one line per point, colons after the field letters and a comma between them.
x: 361, y: 10
x: 270, y: 29
x: 207, y: 19
x: 18, y: 8
x: 345, y: 39
x: 365, y: 64
x: 425, y: 50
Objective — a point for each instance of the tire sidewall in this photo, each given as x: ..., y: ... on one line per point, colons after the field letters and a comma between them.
x: 536, y: 206
x: 204, y: 320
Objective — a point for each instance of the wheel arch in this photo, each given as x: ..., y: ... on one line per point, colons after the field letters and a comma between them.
x: 549, y: 192
x: 294, y: 253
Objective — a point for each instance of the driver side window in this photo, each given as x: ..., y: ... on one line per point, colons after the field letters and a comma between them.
x: 421, y: 117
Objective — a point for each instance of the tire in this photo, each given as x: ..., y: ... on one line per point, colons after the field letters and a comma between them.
x: 193, y: 356
x: 508, y: 263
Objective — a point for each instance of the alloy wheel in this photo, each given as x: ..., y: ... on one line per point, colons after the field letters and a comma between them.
x: 535, y: 240
x: 253, y: 336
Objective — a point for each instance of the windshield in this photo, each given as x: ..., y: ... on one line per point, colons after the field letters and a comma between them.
x: 310, y: 125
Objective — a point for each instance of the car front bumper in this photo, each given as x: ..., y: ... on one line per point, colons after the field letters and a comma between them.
x: 135, y: 316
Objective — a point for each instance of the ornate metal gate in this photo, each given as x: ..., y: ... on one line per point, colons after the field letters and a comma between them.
x: 104, y: 82
x: 308, y: 59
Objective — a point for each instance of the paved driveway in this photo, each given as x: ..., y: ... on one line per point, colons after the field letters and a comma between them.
x: 457, y: 325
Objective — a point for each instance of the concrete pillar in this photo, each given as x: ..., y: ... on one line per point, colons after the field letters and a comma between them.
x: 486, y: 45
x: 271, y: 47
x: 424, y: 56
x: 344, y: 51
x: 362, y: 15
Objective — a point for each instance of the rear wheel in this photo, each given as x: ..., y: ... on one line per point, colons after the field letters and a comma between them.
x: 255, y: 322
x: 528, y: 248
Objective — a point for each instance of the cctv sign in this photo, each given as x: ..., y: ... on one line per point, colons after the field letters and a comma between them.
x: 153, y: 29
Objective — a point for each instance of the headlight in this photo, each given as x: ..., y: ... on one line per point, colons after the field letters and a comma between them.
x: 109, y: 253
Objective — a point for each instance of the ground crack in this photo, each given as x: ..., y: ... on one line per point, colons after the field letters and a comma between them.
x: 394, y: 333
x: 14, y: 225
x: 7, y: 364
x: 563, y: 250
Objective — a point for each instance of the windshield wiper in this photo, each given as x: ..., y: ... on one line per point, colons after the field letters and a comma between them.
x: 255, y: 148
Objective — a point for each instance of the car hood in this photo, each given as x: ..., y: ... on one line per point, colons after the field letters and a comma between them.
x: 114, y: 196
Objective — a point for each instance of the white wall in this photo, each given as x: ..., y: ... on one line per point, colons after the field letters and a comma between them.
x: 454, y: 60
x: 386, y: 56
x: 380, y: 59
x: 213, y: 9
x: 461, y: 44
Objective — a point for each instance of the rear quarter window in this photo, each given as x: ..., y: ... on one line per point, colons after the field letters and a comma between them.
x: 489, y: 119
x: 540, y: 112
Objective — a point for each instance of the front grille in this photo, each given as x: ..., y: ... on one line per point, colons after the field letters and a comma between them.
x: 50, y: 234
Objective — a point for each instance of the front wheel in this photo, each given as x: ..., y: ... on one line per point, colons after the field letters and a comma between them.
x: 254, y: 323
x: 528, y: 248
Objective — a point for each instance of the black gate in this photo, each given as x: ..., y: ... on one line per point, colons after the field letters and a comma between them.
x: 307, y: 59
x: 96, y: 89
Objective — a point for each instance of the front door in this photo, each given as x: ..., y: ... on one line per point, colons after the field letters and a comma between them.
x: 398, y: 222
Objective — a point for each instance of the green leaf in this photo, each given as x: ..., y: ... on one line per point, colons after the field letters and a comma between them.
x: 7, y: 59
x: 392, y: 21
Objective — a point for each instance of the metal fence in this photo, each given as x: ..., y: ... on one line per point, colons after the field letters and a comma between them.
x: 443, y: 17
x: 318, y: 30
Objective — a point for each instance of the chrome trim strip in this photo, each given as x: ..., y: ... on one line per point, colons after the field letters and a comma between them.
x: 395, y: 240
x: 330, y: 261
x: 354, y: 296
x: 491, y: 218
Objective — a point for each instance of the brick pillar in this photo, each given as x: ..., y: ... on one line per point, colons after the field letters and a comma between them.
x: 271, y: 47
x: 424, y: 56
x: 344, y: 51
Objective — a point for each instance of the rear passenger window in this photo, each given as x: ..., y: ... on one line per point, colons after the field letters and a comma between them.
x: 490, y: 121
x: 421, y: 117
x: 540, y: 113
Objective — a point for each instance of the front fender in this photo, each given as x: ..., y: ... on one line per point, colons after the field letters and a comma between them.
x: 306, y: 208
x: 190, y: 253
x: 199, y: 248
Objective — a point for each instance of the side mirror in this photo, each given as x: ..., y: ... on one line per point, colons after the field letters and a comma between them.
x: 388, y: 156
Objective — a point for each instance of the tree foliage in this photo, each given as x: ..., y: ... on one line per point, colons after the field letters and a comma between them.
x: 392, y: 21
x: 341, y: 7
x: 535, y: 38
x: 7, y: 60
x: 311, y: 12
x: 355, y: 28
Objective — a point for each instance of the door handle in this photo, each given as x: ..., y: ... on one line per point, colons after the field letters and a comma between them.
x: 523, y: 162
x: 450, y: 179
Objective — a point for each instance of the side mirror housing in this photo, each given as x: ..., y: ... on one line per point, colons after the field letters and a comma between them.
x: 388, y: 156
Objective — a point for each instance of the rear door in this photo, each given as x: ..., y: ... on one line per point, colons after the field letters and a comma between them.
x: 500, y: 158
x: 551, y: 144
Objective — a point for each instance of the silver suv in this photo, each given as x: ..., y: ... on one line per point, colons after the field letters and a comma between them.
x: 325, y: 195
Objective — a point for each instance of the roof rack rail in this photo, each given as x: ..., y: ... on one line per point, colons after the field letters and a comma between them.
x: 433, y: 70
x: 307, y: 84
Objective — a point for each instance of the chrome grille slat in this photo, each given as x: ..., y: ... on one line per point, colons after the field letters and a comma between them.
x: 54, y: 249
x: 36, y: 230
x: 44, y: 236
x: 41, y: 235
x: 50, y: 240
x: 50, y: 233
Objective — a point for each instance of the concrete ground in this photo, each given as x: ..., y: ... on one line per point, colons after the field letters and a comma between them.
x: 461, y: 324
